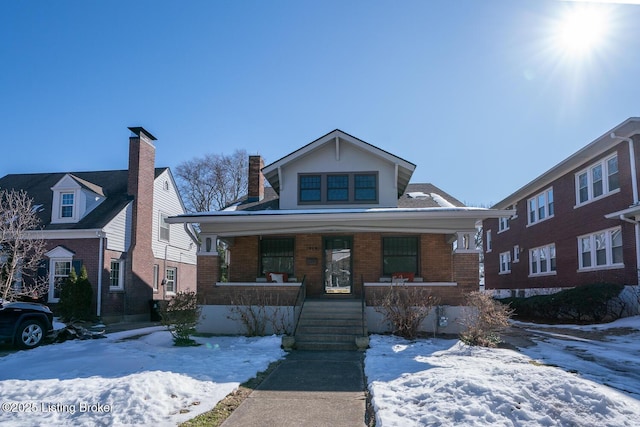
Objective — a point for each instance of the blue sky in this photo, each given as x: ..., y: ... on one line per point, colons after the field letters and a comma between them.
x: 475, y: 92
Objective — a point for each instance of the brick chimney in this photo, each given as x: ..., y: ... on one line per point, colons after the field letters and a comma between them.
x: 140, y: 259
x: 255, y: 191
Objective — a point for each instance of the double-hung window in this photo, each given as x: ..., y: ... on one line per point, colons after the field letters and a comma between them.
x: 337, y: 188
x: 66, y: 205
x: 276, y: 255
x: 171, y: 278
x: 164, y: 230
x: 333, y: 188
x: 503, y: 224
x: 542, y: 260
x: 116, y: 275
x: 365, y: 188
x: 600, y: 250
x: 505, y: 262
x: 541, y: 206
x: 597, y: 180
x: 310, y: 188
x: 399, y: 254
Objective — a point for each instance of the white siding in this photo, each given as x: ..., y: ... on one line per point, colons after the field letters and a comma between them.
x: 180, y: 247
x: 352, y: 159
x: 119, y: 230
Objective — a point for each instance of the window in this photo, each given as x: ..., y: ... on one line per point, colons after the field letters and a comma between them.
x: 116, y: 275
x: 171, y: 277
x: 597, y: 180
x: 516, y: 253
x: 164, y: 227
x: 399, y: 254
x: 601, y: 249
x: 156, y: 277
x: 276, y: 255
x: 505, y: 262
x: 541, y: 206
x: 337, y: 188
x: 61, y: 270
x: 66, y: 205
x: 503, y: 224
x: 542, y: 260
x: 489, y: 241
x: 365, y: 187
x: 310, y: 188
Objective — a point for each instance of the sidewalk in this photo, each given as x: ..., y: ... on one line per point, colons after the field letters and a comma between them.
x: 309, y: 388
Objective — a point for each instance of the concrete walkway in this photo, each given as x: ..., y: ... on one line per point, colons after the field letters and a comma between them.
x: 309, y: 388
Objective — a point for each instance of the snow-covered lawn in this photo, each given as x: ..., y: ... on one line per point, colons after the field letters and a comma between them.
x: 561, y: 380
x: 119, y: 381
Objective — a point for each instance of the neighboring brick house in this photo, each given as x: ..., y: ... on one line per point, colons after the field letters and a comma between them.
x: 340, y: 216
x: 575, y: 224
x: 113, y: 223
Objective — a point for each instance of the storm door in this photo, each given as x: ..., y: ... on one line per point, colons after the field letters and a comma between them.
x: 337, y: 265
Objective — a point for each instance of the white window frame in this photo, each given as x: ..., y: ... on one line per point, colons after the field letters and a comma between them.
x: 120, y: 285
x: 605, y: 175
x: 602, y: 237
x: 505, y: 263
x: 156, y: 277
x: 503, y: 224
x: 53, y: 276
x: 516, y: 253
x: 488, y: 240
x: 536, y: 255
x: 173, y: 281
x: 547, y: 207
x: 161, y: 222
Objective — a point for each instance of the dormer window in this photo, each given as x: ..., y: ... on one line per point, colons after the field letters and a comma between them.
x: 335, y: 188
x: 66, y: 205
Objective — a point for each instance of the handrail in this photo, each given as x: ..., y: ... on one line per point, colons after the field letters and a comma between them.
x: 364, y: 303
x: 300, y: 298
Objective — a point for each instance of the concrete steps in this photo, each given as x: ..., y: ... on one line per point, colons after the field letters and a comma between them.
x: 330, y: 324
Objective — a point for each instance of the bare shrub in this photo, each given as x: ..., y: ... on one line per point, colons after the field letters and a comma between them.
x: 181, y: 315
x: 257, y: 310
x: 405, y: 307
x: 483, y: 319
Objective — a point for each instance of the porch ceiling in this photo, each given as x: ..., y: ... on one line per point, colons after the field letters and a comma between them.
x: 428, y: 220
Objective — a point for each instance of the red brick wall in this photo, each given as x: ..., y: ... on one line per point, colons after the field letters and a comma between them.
x: 563, y: 229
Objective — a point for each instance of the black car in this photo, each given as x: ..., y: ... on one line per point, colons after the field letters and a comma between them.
x: 25, y: 324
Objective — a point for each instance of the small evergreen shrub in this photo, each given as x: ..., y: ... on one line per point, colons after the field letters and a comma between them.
x: 181, y: 315
x: 76, y: 296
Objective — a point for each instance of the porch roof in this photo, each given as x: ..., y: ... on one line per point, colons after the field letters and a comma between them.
x: 399, y: 220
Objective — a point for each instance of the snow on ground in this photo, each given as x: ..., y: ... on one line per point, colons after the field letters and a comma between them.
x: 560, y: 381
x: 570, y: 376
x: 127, y: 380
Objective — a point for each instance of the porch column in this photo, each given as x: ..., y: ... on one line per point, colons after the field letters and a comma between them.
x: 208, y: 272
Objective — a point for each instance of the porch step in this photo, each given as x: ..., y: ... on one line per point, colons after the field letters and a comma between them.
x: 330, y: 325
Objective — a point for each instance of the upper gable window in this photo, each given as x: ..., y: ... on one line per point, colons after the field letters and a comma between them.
x: 310, y: 188
x: 366, y: 188
x: 338, y: 188
x: 66, y: 205
x: 597, y: 180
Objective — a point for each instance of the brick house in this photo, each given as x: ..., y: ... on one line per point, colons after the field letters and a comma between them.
x: 575, y: 224
x: 339, y: 219
x: 113, y: 223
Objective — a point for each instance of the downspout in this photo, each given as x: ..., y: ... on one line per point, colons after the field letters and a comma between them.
x: 634, y: 186
x: 100, y: 268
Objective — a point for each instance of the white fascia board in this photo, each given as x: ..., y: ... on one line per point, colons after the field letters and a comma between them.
x: 66, y: 234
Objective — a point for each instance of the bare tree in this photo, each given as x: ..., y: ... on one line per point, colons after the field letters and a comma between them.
x: 21, y: 250
x: 213, y: 181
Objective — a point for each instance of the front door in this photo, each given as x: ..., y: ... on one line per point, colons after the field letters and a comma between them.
x: 337, y: 265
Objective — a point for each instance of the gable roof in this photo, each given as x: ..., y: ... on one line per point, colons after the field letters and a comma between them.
x: 599, y: 146
x: 404, y: 171
x: 112, y: 184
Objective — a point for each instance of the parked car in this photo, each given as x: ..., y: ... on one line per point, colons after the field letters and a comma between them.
x: 25, y: 324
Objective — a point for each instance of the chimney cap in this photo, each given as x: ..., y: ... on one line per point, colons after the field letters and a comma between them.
x: 138, y: 130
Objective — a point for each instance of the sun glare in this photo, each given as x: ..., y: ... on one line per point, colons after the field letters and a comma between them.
x: 582, y: 30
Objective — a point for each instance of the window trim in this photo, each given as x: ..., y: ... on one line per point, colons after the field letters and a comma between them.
x: 502, y: 270
x: 593, y: 250
x: 120, y: 285
x: 417, y: 255
x: 549, y: 208
x: 162, y: 220
x: 504, y: 224
x: 489, y: 243
x: 547, y: 250
x: 174, y: 281
x: 351, y: 188
x: 606, y: 191
x: 52, y: 276
x: 156, y: 278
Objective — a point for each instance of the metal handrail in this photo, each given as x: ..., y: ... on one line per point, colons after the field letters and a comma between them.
x: 364, y: 303
x: 300, y: 298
